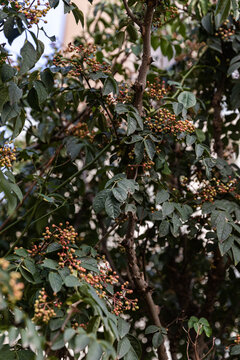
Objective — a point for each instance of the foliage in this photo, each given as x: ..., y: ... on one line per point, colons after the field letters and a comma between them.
x: 119, y: 190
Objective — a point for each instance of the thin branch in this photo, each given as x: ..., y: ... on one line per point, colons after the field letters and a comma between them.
x: 131, y: 15
x: 73, y: 310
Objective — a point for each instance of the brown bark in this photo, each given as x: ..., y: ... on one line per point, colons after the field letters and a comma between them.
x: 140, y: 83
x: 139, y: 281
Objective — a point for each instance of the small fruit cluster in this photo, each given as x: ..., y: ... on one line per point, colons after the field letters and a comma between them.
x: 208, y: 190
x: 66, y: 237
x: 10, y: 285
x: 165, y: 122
x: 44, y: 307
x: 82, y: 61
x: 125, y: 95
x: 81, y: 131
x: 156, y: 90
x: 7, y: 155
x: 33, y: 11
x: 164, y: 13
x: 225, y: 31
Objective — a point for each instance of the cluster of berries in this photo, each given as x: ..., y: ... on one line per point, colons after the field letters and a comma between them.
x: 10, y: 285
x: 82, y: 60
x: 44, y: 307
x: 66, y: 237
x: 165, y: 122
x: 81, y: 131
x: 209, y: 190
x: 7, y: 155
x: 225, y: 31
x: 33, y: 11
x: 125, y: 95
x: 156, y: 90
x: 164, y: 13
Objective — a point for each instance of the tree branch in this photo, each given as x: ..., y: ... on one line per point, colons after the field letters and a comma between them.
x: 131, y: 15
x: 139, y: 281
x: 140, y: 83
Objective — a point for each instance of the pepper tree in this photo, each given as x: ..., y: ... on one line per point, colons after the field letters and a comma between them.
x: 119, y: 219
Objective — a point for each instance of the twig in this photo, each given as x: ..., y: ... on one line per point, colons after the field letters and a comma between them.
x: 131, y: 15
x: 73, y: 309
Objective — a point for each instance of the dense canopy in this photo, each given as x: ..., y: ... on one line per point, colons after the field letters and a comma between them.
x: 119, y: 185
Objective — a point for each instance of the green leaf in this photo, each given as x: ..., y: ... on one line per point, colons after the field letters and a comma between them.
x: 72, y: 281
x: 157, y: 340
x: 167, y: 208
x: 81, y: 341
x: 123, y: 327
x: 68, y: 334
x: 120, y: 194
x: 99, y: 200
x: 139, y: 152
x: 15, y: 93
x: 123, y: 347
x: 55, y: 281
x: 200, y: 135
x: 29, y: 57
x: 235, y: 8
x: 132, y: 125
x: 150, y: 148
x: 192, y: 321
x: 41, y: 91
x: 94, y: 351
x: 78, y: 14
x: 187, y: 99
x: 163, y: 228
x: 110, y: 86
x: 120, y: 37
x: 112, y: 207
x: 162, y: 196
x: 224, y: 229
x: 7, y: 72
x: 151, y: 329
x: 222, y: 11
x: 59, y: 343
x: 51, y: 264
x: 235, y: 350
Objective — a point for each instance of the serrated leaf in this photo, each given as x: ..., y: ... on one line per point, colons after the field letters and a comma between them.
x: 120, y: 194
x: 132, y: 125
x: 110, y: 86
x: 99, y: 200
x: 224, y: 229
x: 150, y: 148
x: 112, y: 207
